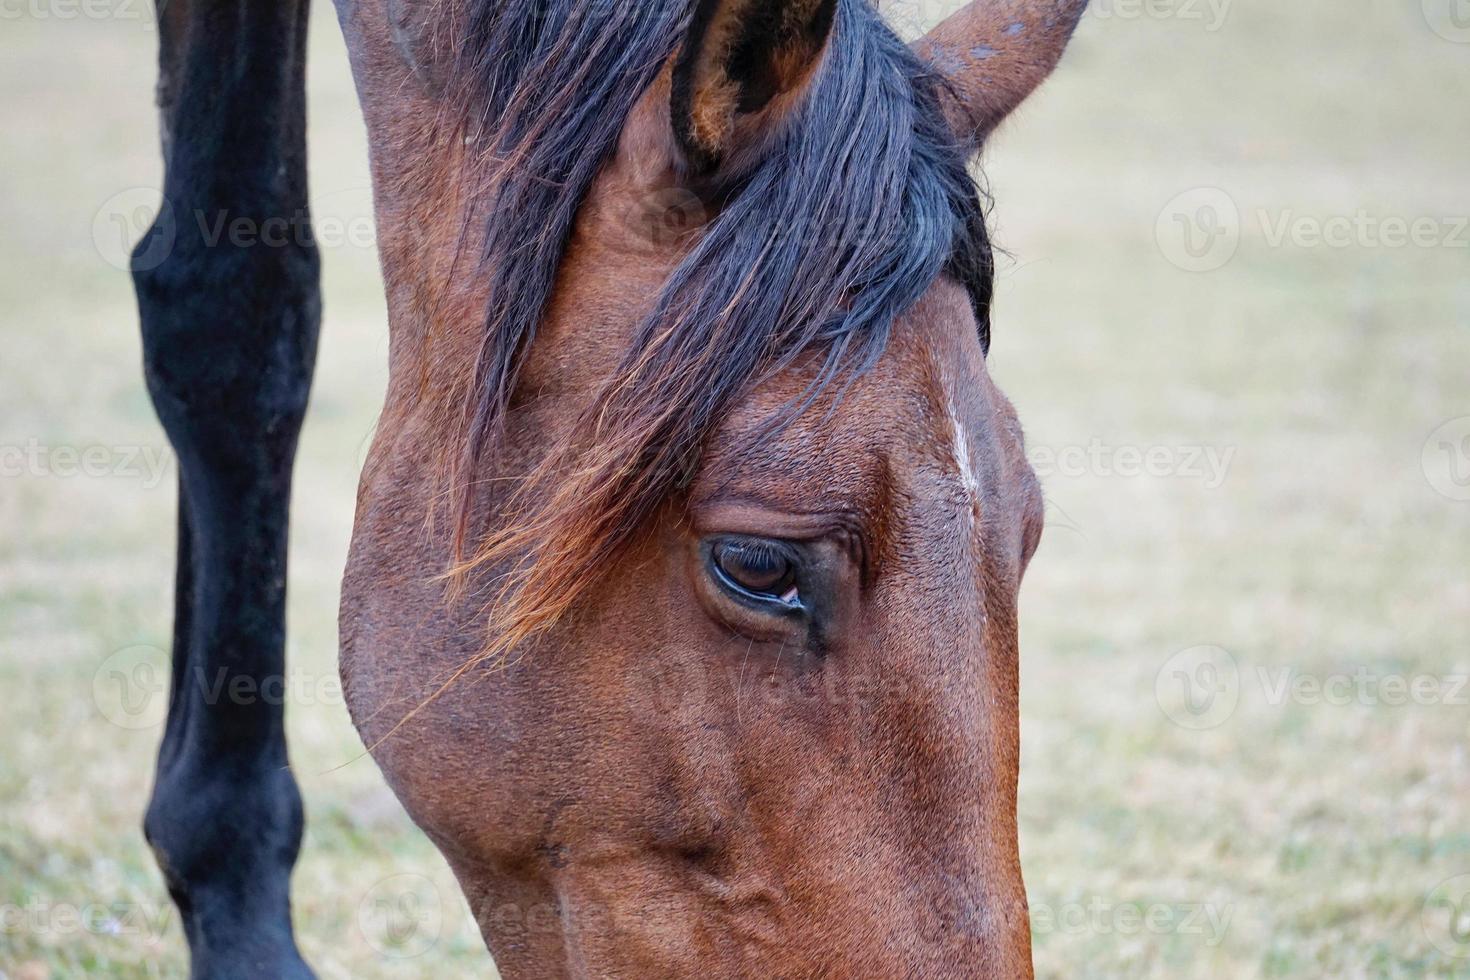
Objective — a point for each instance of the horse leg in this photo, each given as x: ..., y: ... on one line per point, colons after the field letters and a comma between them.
x: 227, y: 284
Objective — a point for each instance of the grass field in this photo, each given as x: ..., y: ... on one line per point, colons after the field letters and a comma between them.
x: 1236, y: 320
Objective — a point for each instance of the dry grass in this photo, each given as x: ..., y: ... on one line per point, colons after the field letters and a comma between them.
x: 1293, y: 838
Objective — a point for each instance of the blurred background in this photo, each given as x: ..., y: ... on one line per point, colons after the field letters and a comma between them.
x: 1235, y: 318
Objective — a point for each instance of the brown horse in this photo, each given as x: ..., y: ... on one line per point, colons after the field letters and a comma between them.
x: 681, y: 608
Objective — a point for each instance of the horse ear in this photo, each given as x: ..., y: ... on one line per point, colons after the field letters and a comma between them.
x: 994, y: 53
x: 738, y: 56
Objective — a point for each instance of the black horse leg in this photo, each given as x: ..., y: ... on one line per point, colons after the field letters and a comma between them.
x: 227, y: 284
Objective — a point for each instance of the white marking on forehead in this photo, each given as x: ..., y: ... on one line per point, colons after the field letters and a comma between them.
x: 962, y: 460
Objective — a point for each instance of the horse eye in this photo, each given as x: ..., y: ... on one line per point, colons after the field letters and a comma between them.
x: 763, y: 569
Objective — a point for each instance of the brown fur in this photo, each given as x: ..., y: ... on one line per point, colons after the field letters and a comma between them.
x: 995, y: 54
x: 654, y: 784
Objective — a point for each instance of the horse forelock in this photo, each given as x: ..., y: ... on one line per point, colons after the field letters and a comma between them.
x: 862, y: 201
